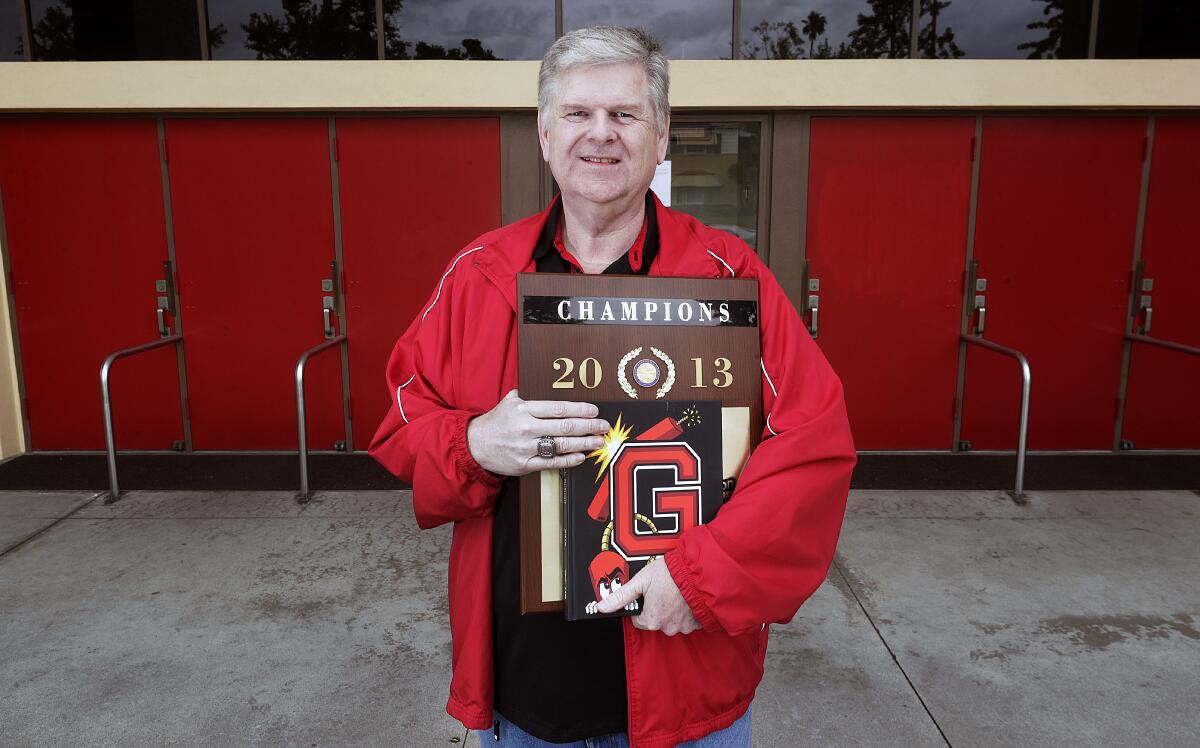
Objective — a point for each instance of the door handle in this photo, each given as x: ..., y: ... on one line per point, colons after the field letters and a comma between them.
x: 981, y: 307
x: 164, y: 329
x: 814, y: 302
x: 1148, y: 318
x: 327, y: 315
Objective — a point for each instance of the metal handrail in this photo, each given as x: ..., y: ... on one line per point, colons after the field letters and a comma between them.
x: 114, y: 490
x: 1018, y: 493
x: 300, y: 420
x: 1160, y: 343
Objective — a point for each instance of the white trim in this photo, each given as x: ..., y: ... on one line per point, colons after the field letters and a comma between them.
x: 443, y: 280
x: 726, y: 264
x: 399, y: 404
x: 774, y: 392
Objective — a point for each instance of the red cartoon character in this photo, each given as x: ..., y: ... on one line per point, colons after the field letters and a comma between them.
x: 609, y: 571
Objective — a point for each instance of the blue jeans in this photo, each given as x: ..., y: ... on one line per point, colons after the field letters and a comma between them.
x: 736, y: 735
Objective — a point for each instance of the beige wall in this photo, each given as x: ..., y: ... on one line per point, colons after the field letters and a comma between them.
x: 46, y: 87
x: 700, y: 84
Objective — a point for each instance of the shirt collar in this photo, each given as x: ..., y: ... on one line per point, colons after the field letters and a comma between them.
x: 550, y: 260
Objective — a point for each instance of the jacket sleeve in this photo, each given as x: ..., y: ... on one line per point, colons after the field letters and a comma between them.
x: 423, y: 437
x: 770, y: 546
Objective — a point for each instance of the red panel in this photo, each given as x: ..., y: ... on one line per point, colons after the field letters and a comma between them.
x: 887, y: 224
x: 414, y: 191
x: 254, y: 237
x: 1162, y: 407
x: 1054, y: 237
x: 86, y: 237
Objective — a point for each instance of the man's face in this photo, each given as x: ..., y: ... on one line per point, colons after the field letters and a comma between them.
x: 600, y: 136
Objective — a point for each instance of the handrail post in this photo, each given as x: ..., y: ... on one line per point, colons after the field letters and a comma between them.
x: 301, y: 421
x: 110, y: 442
x: 1018, y: 492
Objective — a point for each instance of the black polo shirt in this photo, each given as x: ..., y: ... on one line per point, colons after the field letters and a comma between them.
x: 557, y: 681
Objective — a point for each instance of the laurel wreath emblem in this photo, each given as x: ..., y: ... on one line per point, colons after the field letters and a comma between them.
x: 628, y: 388
x: 621, y: 380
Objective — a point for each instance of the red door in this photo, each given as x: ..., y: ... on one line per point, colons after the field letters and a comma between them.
x: 1058, y: 200
x: 1162, y: 408
x: 413, y: 192
x: 253, y: 209
x: 887, y: 213
x: 83, y: 209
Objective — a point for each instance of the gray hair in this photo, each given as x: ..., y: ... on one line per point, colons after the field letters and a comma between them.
x: 602, y: 45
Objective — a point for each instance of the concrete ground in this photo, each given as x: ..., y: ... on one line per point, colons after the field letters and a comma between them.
x: 243, y: 619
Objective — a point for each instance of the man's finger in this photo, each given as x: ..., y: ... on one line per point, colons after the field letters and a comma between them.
x: 622, y: 597
x: 567, y: 444
x: 560, y: 409
x: 559, y: 462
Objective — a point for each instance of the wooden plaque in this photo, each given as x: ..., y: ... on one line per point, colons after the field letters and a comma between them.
x: 594, y: 338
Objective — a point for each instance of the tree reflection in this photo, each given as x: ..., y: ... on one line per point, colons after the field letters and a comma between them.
x: 1063, y: 25
x: 53, y: 34
x: 884, y: 31
x: 345, y: 30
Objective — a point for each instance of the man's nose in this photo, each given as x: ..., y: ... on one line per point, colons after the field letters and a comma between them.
x: 601, y: 129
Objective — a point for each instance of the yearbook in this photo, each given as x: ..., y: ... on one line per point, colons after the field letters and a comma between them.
x: 657, y: 476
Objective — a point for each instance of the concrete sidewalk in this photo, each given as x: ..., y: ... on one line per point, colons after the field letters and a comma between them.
x: 242, y: 619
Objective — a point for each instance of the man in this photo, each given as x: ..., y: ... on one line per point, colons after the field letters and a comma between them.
x: 687, y: 667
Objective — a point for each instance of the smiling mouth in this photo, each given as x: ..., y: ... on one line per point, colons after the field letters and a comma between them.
x: 600, y: 160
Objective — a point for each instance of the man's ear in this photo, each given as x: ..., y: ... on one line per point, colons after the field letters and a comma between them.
x: 543, y: 138
x: 664, y: 138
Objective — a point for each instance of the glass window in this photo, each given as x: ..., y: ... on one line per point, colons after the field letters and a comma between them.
x: 714, y: 174
x: 293, y: 29
x: 1005, y: 29
x: 130, y: 30
x: 470, y: 29
x: 791, y: 29
x: 1148, y: 29
x: 12, y: 45
x: 687, y: 29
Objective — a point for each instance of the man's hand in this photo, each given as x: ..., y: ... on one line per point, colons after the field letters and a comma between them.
x: 504, y: 440
x: 665, y: 609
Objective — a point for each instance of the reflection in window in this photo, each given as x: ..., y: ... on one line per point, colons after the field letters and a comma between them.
x: 470, y: 29
x: 12, y: 45
x: 107, y: 30
x: 687, y: 29
x: 1149, y: 29
x: 822, y: 29
x: 1005, y: 29
x: 714, y: 174
x: 293, y: 29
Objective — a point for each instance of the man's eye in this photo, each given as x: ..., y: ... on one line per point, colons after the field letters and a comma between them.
x: 576, y: 115
x: 624, y: 115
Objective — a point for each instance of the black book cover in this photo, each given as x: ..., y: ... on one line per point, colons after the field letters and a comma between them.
x: 658, y: 475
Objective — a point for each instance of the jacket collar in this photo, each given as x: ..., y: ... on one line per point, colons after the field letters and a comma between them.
x: 511, y: 250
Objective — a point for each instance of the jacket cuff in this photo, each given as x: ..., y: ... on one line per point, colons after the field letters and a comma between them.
x: 681, y: 574
x: 462, y: 453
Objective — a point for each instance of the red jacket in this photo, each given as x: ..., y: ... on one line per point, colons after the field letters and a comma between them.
x: 767, y: 550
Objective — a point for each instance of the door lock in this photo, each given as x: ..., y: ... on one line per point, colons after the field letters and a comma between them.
x: 814, y: 303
